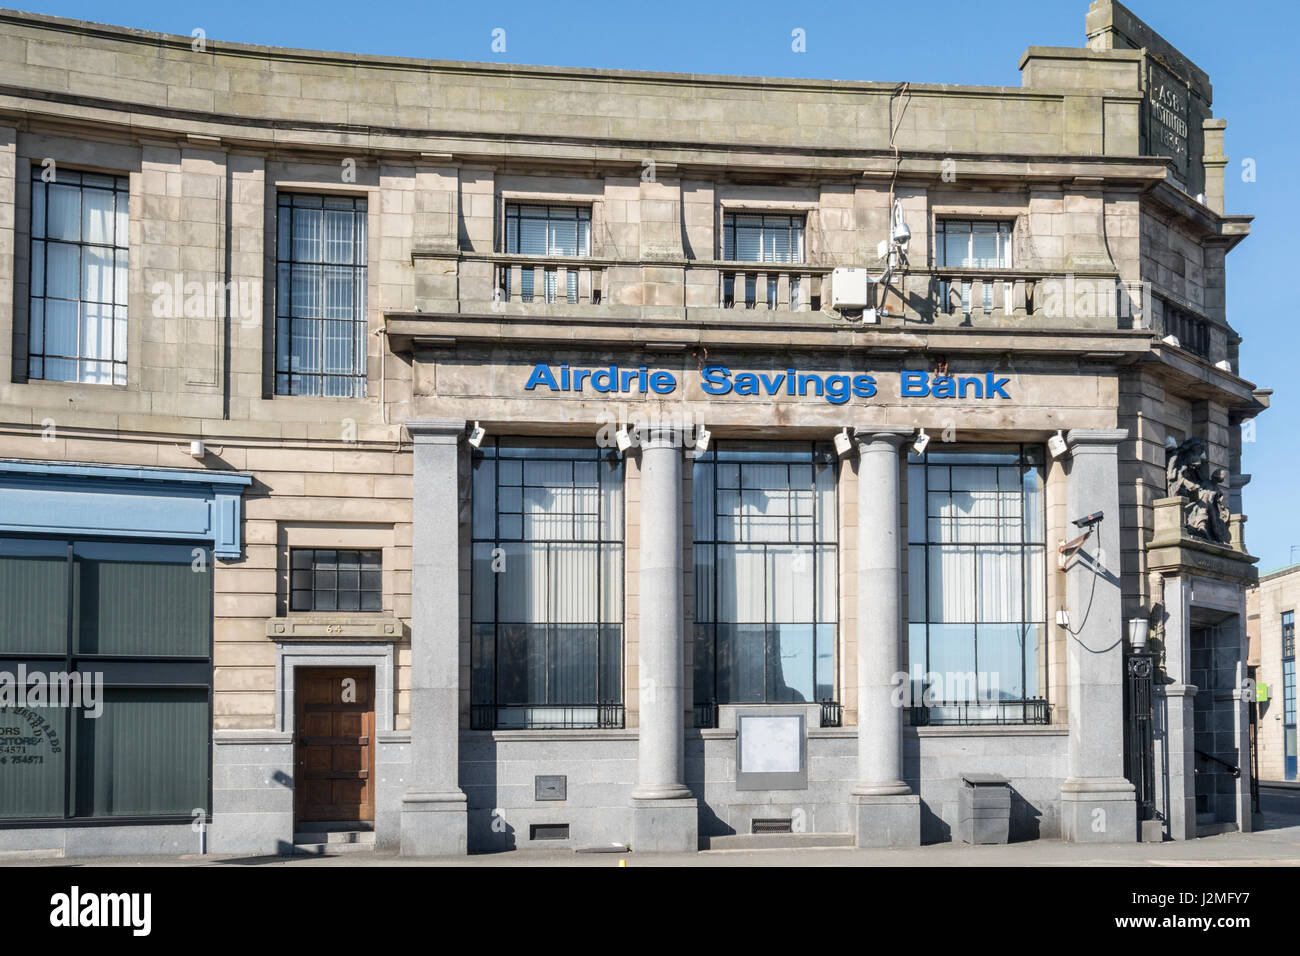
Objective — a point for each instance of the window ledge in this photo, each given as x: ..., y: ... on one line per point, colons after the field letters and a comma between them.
x: 376, y: 627
x: 991, y: 730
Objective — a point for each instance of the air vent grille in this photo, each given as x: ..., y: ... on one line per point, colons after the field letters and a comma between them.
x: 773, y: 825
x: 548, y: 831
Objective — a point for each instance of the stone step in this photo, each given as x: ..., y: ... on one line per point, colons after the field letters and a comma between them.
x: 777, y: 841
x: 330, y: 849
x: 334, y: 840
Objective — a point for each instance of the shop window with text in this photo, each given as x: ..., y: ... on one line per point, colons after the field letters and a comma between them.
x: 765, y: 574
x: 546, y: 231
x: 976, y: 584
x: 78, y: 300
x: 547, y: 586
x: 760, y: 237
x: 320, y: 299
x: 120, y: 633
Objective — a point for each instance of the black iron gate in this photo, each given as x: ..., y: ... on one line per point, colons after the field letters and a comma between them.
x: 1139, y: 741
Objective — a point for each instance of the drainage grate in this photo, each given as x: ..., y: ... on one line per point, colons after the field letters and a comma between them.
x: 548, y: 831
x: 785, y: 825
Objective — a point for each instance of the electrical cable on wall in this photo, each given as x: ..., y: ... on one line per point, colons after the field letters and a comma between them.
x: 1077, y: 547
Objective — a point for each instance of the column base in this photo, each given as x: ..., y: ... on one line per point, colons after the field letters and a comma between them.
x: 665, y: 826
x: 1098, y: 810
x: 434, y: 823
x: 888, y: 820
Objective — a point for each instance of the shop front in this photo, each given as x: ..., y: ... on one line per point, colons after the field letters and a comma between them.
x: 106, y: 656
x: 703, y: 599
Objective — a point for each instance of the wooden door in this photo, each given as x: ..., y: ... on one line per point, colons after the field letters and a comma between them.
x: 335, y: 744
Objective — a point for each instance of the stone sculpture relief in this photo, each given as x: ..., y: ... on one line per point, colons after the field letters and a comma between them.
x: 1205, y: 515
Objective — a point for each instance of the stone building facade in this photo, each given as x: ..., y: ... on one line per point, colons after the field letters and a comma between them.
x: 1270, y: 627
x: 527, y: 452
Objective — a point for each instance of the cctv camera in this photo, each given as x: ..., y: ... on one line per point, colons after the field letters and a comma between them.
x: 1087, y: 521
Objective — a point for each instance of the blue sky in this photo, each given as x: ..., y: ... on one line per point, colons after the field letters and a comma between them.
x: 1246, y: 48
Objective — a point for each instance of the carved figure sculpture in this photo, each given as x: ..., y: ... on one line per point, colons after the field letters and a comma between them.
x: 1205, y: 515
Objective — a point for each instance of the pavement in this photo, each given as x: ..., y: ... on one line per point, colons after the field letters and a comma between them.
x: 1275, y: 842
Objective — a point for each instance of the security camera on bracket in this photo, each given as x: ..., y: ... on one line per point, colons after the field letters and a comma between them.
x: 854, y: 288
x: 1068, y: 550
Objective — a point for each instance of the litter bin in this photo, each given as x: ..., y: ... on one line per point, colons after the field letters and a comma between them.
x: 984, y: 808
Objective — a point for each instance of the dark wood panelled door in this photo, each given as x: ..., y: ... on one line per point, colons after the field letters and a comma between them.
x: 335, y: 744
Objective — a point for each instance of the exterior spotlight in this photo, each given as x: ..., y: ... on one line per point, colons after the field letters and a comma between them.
x: 623, y: 439
x: 198, y: 450
x: 702, y: 436
x: 843, y: 443
x: 922, y: 440
x: 1056, y: 445
x: 1139, y: 629
x: 477, y: 435
x: 1063, y: 618
x: 1172, y: 340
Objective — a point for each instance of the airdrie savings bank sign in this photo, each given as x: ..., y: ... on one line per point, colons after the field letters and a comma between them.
x: 719, y: 380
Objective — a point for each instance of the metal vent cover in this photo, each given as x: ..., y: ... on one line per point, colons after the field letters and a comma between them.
x: 771, y: 825
x: 548, y: 831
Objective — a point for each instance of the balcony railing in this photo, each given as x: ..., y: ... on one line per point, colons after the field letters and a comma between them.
x: 968, y: 294
x: 969, y: 712
x: 602, y: 716
x: 574, y: 282
x: 1004, y: 293
x: 768, y: 287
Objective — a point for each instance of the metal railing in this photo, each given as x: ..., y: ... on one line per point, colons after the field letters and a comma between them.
x: 1231, y: 768
x: 600, y: 716
x: 1139, y: 752
x: 706, y: 714
x: 973, y: 712
x: 832, y: 713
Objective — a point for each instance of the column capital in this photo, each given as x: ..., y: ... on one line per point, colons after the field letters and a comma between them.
x: 438, y: 430
x: 662, y: 436
x: 1079, y: 437
x: 891, y: 436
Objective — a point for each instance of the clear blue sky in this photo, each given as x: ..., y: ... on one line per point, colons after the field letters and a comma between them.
x: 1248, y: 49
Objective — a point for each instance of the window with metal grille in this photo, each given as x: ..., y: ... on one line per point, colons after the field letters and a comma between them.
x: 976, y: 583
x: 762, y: 237
x: 320, y: 301
x: 535, y: 230
x: 974, y: 244
x: 78, y: 299
x: 547, y: 586
x: 765, y: 573
x: 328, y: 579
